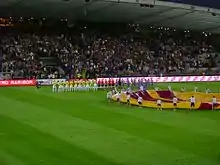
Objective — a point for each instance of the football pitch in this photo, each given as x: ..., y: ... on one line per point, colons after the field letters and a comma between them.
x: 40, y: 127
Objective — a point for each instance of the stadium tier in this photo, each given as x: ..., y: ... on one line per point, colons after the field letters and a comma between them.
x: 91, y: 54
x: 203, y: 100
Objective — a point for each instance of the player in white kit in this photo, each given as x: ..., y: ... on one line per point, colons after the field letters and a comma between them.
x: 192, y: 102
x: 169, y: 88
x: 140, y: 99
x: 128, y: 97
x: 71, y: 87
x: 129, y: 90
x: 54, y: 87
x: 123, y: 91
x: 95, y: 86
x: 109, y: 96
x: 195, y: 89
x: 79, y: 88
x: 115, y: 90
x: 87, y: 88
x: 156, y: 88
x: 214, y: 103
x: 75, y: 88
x: 175, y: 100
x: 159, y: 105
x: 141, y: 88
x: 207, y: 91
x: 118, y: 97
x: 66, y: 87
x: 60, y: 88
x: 183, y: 89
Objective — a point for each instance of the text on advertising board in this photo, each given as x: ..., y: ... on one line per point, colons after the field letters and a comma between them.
x: 17, y: 82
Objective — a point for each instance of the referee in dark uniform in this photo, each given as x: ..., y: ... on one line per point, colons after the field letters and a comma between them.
x: 38, y: 85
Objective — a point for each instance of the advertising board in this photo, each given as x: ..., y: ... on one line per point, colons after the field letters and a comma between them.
x: 165, y: 79
x: 17, y: 82
x: 49, y: 81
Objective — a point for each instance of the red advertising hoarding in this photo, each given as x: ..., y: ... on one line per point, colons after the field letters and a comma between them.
x: 17, y: 82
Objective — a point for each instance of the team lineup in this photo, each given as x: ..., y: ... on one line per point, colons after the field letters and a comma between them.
x: 71, y: 86
x: 92, y: 85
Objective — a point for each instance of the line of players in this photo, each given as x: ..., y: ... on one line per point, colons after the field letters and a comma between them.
x: 175, y: 100
x: 183, y: 89
x: 72, y: 86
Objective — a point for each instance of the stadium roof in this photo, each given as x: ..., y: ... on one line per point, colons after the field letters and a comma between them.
x: 151, y: 12
x: 204, y: 3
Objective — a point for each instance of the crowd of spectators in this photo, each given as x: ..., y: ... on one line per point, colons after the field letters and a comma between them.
x: 92, y: 53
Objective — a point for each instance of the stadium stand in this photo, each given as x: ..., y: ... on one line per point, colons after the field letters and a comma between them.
x: 163, y: 51
x: 109, y: 50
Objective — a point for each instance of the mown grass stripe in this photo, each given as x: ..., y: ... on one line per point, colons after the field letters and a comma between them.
x: 34, y: 147
x: 117, y: 145
x: 9, y: 159
x: 197, y: 143
x: 180, y: 119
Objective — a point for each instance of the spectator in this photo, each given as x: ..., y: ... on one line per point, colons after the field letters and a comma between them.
x: 91, y: 53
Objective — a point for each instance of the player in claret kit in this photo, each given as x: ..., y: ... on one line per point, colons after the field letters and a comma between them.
x: 106, y: 83
x: 175, y: 100
x: 102, y: 83
x: 98, y: 83
x: 38, y: 85
x: 214, y: 103
x: 111, y: 82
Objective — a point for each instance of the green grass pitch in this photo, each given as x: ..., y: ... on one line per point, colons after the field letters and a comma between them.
x: 38, y: 127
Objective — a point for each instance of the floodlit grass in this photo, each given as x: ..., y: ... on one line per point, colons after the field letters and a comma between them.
x: 40, y: 127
